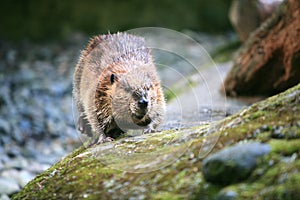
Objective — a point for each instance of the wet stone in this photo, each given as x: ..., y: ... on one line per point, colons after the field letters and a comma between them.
x: 4, y: 197
x: 36, y: 167
x: 277, y: 132
x: 10, y: 173
x: 227, y: 195
x: 13, y: 152
x: 233, y: 164
x: 8, y: 186
x: 4, y: 125
x: 25, y: 177
x: 22, y: 177
x: 288, y: 131
x: 16, y: 163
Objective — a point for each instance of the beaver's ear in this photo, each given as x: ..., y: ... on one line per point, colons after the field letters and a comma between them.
x: 112, y: 78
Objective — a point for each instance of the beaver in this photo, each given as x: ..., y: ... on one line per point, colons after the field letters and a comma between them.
x: 116, y: 87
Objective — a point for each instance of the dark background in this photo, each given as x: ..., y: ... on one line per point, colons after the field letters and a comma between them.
x: 54, y: 19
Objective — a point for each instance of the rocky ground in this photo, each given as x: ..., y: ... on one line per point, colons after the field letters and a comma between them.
x: 37, y: 125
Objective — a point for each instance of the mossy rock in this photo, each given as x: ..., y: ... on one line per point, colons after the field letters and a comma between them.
x: 167, y: 165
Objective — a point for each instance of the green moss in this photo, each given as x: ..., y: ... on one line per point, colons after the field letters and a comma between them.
x: 136, y: 167
x: 263, y: 136
x: 280, y: 181
x: 167, y: 196
x: 257, y: 114
x: 285, y: 147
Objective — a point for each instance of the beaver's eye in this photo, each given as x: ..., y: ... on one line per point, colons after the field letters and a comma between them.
x: 112, y: 78
x: 136, y: 95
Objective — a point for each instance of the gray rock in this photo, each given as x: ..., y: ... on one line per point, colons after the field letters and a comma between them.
x: 13, y: 152
x: 10, y: 173
x: 4, y: 126
x: 227, y: 195
x: 47, y: 159
x: 37, y: 168
x: 8, y: 186
x: 4, y: 197
x: 16, y: 163
x: 25, y: 177
x: 22, y: 177
x: 233, y: 164
x: 4, y: 158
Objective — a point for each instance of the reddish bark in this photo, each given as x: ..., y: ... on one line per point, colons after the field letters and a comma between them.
x: 269, y: 61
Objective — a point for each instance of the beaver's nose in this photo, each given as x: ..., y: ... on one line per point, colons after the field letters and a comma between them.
x: 143, y: 102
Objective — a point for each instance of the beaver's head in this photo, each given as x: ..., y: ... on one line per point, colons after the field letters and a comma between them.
x: 133, y: 96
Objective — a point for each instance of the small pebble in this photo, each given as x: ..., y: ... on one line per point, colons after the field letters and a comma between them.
x: 25, y: 177
x: 22, y: 177
x: 4, y: 197
x: 227, y: 195
x: 16, y: 163
x: 8, y: 186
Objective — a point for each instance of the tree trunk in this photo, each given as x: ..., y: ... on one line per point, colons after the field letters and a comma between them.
x: 269, y: 61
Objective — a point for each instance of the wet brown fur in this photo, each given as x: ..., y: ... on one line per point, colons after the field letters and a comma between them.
x: 124, y: 55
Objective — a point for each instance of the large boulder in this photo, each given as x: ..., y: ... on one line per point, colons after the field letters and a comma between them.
x: 168, y: 165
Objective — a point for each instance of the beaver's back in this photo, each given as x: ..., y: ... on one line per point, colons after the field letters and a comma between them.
x: 104, y: 50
